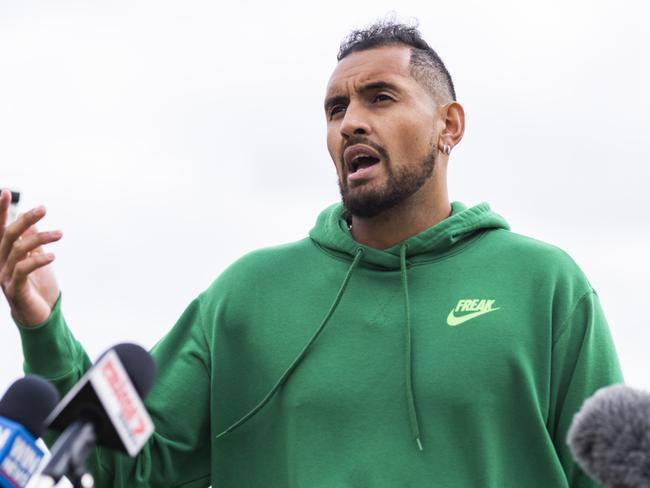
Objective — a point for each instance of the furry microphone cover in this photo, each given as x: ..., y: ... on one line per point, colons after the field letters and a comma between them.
x: 610, y: 437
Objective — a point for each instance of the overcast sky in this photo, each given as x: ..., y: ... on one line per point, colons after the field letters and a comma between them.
x: 169, y: 138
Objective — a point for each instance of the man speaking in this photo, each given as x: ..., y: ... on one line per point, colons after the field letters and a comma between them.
x: 407, y: 341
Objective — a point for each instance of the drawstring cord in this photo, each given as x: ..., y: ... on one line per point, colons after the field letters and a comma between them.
x: 413, y: 416
x: 302, y: 354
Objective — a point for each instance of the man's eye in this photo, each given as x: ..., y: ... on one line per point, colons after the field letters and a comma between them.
x: 381, y: 98
x: 336, y: 109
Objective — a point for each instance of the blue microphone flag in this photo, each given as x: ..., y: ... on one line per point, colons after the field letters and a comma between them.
x: 19, y: 454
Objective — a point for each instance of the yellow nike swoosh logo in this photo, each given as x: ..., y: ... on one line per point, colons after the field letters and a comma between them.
x: 453, y: 320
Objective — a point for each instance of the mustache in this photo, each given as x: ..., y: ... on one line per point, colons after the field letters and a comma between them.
x: 360, y: 139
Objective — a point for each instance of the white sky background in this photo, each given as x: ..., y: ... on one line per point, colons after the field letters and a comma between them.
x: 169, y: 138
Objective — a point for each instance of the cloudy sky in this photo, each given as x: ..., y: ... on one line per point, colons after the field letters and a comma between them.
x: 168, y: 138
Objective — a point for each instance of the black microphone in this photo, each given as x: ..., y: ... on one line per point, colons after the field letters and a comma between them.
x: 104, y: 408
x: 23, y: 409
x: 610, y: 437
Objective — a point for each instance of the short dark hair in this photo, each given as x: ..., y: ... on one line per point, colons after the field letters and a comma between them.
x: 426, y: 66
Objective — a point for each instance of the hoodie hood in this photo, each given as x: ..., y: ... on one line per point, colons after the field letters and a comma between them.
x: 332, y: 234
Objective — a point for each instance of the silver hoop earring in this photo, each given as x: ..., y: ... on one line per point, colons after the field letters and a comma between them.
x: 446, y: 148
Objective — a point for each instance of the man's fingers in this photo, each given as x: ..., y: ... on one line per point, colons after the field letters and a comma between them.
x: 14, y: 230
x: 5, y: 201
x: 31, y: 242
x: 32, y: 231
x: 23, y: 268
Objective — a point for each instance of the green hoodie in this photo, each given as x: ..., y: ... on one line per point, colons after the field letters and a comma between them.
x: 454, y: 359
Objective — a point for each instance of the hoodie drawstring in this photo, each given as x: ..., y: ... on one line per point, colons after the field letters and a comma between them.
x: 410, y: 398
x: 302, y: 354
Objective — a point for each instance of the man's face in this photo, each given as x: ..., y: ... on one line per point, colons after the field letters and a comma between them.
x: 381, y: 130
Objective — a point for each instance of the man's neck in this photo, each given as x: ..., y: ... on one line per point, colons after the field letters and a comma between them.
x: 398, y: 223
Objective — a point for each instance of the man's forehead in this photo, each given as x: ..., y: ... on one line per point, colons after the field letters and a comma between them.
x: 389, y: 63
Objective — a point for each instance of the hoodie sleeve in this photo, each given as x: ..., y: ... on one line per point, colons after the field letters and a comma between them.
x: 178, y: 453
x: 583, y: 360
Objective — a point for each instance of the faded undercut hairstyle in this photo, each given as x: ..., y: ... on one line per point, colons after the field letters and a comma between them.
x: 426, y: 66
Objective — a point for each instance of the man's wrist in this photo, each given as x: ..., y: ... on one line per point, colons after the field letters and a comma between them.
x: 52, y: 316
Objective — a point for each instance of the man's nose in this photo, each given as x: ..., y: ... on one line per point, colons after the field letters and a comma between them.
x: 355, y: 121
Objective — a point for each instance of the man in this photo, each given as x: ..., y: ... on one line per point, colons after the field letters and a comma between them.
x: 407, y: 342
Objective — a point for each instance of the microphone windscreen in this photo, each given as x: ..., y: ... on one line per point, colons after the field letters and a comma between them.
x: 28, y: 401
x: 610, y: 437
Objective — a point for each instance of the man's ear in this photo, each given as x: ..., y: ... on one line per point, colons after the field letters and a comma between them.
x: 452, y: 117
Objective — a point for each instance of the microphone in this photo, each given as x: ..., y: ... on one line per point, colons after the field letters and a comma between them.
x: 610, y: 437
x: 23, y: 410
x: 104, y: 408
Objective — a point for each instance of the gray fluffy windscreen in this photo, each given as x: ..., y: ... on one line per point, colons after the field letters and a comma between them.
x: 610, y: 437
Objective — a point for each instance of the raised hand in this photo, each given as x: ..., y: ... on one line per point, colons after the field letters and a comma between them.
x: 26, y: 277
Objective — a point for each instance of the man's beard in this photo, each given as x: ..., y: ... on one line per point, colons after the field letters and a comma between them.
x: 401, y: 184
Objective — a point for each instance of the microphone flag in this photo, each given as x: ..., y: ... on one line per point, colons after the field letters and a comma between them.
x: 107, y: 385
x: 19, y: 454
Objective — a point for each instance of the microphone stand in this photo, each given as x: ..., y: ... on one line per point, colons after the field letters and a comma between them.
x: 69, y: 455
